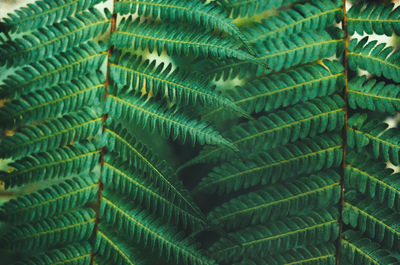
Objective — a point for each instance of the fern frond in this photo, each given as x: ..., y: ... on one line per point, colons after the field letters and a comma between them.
x: 321, y: 254
x: 243, y: 8
x: 111, y: 247
x: 275, y: 202
x: 373, y: 95
x: 71, y: 254
x: 68, y: 228
x: 279, y: 128
x: 371, y: 18
x: 370, y: 218
x: 384, y: 142
x: 176, y: 39
x: 208, y: 15
x: 147, y: 78
x: 53, y: 101
x: 283, y: 53
x: 375, y: 58
x: 51, y: 201
x: 172, y: 204
x: 55, y: 164
x: 155, y: 117
x: 46, y: 12
x: 374, y: 180
x: 278, y: 237
x: 304, y: 157
x: 301, y: 17
x: 143, y: 228
x: 58, y: 69
x: 355, y: 249
x: 60, y: 37
x: 50, y: 135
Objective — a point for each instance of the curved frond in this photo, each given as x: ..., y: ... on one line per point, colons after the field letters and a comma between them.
x: 374, y: 133
x: 208, y: 15
x: 77, y: 253
x: 53, y: 101
x: 46, y: 12
x: 50, y: 135
x: 46, y: 42
x: 142, y: 227
x: 275, y: 202
x: 370, y: 17
x: 279, y: 128
x: 146, y: 78
x: 55, y: 164
x: 374, y: 180
x: 373, y: 95
x: 58, y: 69
x: 278, y: 237
x: 314, y: 16
x: 51, y: 201
x: 370, y: 218
x: 323, y: 254
x: 71, y: 227
x: 172, y: 204
x: 155, y: 117
x: 355, y: 249
x: 176, y: 40
x: 304, y: 157
x: 375, y: 58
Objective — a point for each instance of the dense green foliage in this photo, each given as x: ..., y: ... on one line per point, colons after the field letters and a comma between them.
x: 200, y: 132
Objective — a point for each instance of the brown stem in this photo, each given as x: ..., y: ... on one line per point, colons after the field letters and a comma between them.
x: 344, y: 132
x: 113, y: 24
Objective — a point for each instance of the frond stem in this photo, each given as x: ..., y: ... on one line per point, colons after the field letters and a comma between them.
x: 344, y: 132
x: 113, y: 26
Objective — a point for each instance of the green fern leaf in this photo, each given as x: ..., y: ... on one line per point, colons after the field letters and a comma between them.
x: 110, y: 247
x: 52, y: 134
x: 51, y: 201
x: 373, y: 18
x: 278, y: 201
x: 55, y: 164
x: 76, y: 253
x: 374, y: 180
x: 208, y: 15
x: 320, y: 254
x: 186, y: 40
x: 372, y: 219
x: 284, y: 89
x: 142, y: 227
x: 172, y: 204
x: 355, y: 249
x: 283, y: 53
x: 60, y: 37
x: 278, y: 237
x: 156, y: 118
x: 279, y: 128
x: 302, y: 17
x: 46, y: 12
x: 376, y: 59
x: 373, y: 95
x: 71, y: 227
x: 249, y: 8
x: 384, y: 143
x: 269, y: 167
x: 54, y: 101
x: 177, y: 87
x: 58, y: 69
